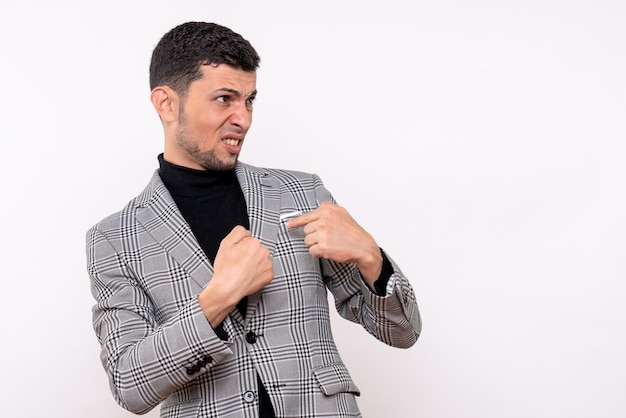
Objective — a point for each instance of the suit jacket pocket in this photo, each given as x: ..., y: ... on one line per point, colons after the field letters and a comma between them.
x: 184, y: 409
x: 334, y: 378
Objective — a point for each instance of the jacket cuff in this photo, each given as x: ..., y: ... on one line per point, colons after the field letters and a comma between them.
x: 380, y: 285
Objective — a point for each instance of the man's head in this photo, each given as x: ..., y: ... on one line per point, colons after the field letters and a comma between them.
x: 203, y: 81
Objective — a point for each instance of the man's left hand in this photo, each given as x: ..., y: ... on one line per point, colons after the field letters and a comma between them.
x: 330, y: 232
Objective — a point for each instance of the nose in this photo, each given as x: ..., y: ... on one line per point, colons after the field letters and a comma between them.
x: 241, y: 116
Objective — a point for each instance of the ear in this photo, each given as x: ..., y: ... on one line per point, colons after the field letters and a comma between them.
x: 165, y: 102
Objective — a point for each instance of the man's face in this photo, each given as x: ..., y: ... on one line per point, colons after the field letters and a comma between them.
x: 214, y: 118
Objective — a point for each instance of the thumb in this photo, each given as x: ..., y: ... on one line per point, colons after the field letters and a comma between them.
x: 236, y: 234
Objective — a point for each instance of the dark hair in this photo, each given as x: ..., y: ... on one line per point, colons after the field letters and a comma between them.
x: 177, y: 58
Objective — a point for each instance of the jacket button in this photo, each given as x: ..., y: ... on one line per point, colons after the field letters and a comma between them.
x: 248, y: 396
x: 193, y: 369
x: 204, y: 360
x: 251, y: 337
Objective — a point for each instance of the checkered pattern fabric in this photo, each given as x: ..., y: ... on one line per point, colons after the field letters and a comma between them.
x: 147, y: 269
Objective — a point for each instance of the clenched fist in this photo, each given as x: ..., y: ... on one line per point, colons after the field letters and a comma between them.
x: 242, y: 266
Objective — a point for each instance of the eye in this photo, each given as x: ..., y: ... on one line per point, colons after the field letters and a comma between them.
x: 251, y: 100
x: 222, y: 99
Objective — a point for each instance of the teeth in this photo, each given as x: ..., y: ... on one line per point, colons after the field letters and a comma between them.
x: 231, y: 141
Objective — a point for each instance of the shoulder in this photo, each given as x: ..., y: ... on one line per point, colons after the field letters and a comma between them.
x: 300, y: 185
x: 285, y: 177
x: 154, y: 193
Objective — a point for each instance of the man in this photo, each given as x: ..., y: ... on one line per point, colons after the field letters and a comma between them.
x: 210, y: 286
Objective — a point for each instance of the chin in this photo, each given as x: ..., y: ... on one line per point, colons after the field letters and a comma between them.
x: 221, y: 164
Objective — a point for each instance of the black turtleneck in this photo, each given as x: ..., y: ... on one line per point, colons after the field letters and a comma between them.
x: 211, y: 202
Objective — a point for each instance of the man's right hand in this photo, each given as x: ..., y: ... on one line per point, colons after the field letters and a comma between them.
x: 242, y: 267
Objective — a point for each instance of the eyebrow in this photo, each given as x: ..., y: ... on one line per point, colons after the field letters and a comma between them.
x: 234, y: 92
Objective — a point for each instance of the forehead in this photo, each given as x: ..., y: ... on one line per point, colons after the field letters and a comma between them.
x: 224, y: 76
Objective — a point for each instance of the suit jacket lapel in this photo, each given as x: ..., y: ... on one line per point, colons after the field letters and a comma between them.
x: 262, y: 194
x: 158, y: 213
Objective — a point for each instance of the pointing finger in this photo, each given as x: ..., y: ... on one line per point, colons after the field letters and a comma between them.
x: 302, y: 219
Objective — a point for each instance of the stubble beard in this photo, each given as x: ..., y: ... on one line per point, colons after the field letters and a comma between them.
x: 207, y: 159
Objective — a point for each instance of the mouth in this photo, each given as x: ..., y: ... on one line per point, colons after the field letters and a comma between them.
x: 232, y: 144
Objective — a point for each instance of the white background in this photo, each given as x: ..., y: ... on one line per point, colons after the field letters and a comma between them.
x: 482, y: 143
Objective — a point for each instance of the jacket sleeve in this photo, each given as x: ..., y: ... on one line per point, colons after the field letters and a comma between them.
x: 393, y: 318
x: 146, y: 360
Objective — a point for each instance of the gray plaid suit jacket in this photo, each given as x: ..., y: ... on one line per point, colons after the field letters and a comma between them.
x: 147, y: 269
